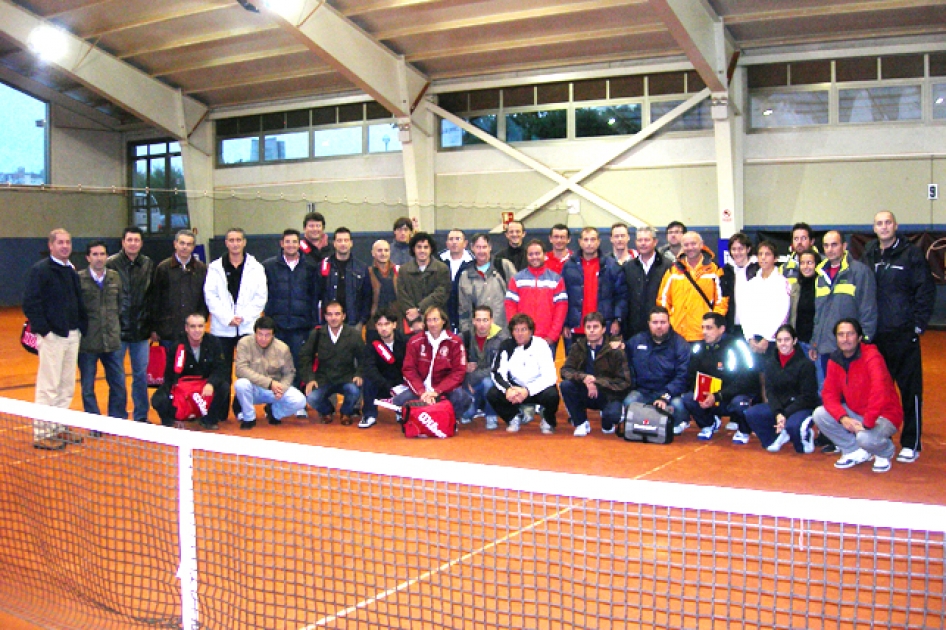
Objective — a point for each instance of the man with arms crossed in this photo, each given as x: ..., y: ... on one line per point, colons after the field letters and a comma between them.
x: 265, y: 373
x: 177, y: 290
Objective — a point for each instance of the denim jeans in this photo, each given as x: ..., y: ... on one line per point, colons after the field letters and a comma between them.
x: 479, y: 389
x: 317, y: 398
x: 576, y: 399
x: 115, y: 377
x: 138, y: 352
x: 249, y: 394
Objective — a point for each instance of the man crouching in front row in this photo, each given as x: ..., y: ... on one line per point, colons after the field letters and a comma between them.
x: 265, y: 371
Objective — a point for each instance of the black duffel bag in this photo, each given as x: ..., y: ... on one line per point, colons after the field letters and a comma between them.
x: 646, y: 423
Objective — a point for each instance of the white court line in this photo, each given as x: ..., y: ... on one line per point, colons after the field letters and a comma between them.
x: 443, y: 567
x: 452, y: 563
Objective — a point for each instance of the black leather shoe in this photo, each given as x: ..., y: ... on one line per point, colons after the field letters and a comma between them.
x: 269, y: 415
x: 247, y: 425
x: 210, y: 426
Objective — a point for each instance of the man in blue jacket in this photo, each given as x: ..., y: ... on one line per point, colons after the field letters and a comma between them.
x: 593, y: 283
x: 659, y: 359
x: 292, y: 293
x: 905, y: 297
x: 53, y: 305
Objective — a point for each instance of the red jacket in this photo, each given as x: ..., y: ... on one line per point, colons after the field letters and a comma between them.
x: 866, y: 387
x: 541, y: 294
x: 449, y: 365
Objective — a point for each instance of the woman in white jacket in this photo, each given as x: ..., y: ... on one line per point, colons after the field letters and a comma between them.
x: 766, y: 301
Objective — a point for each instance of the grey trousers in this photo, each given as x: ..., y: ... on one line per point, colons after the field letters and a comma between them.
x: 875, y: 441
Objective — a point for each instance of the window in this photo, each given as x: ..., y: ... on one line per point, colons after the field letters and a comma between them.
x: 607, y: 120
x: 939, y: 101
x: 305, y: 134
x: 879, y: 104
x: 23, y: 138
x: 543, y: 125
x: 158, y: 203
x: 789, y: 109
x: 696, y: 119
x: 452, y: 136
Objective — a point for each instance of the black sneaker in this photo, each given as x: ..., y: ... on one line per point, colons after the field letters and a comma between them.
x: 210, y: 426
x: 247, y: 425
x: 269, y: 415
x: 830, y: 448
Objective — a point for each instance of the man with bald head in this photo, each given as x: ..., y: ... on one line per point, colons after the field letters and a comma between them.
x: 383, y: 276
x: 691, y: 288
x: 905, y: 297
x: 844, y: 288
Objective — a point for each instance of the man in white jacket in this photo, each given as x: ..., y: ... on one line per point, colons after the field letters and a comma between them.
x: 235, y: 292
x: 524, y: 374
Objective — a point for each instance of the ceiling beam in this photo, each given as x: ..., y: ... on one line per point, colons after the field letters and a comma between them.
x: 699, y: 32
x: 360, y: 58
x: 155, y: 19
x: 562, y: 10
x: 217, y: 62
x: 794, y: 13
x: 46, y: 93
x: 113, y: 79
x: 200, y: 40
x: 555, y: 39
x: 261, y: 80
x: 848, y: 37
x: 369, y: 6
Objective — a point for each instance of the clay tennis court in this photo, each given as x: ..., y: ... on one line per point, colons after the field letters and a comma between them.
x: 530, y: 553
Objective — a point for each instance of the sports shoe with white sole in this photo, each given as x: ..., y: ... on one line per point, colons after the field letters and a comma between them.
x: 881, y: 464
x: 466, y: 419
x: 908, y: 455
x: 582, y: 429
x: 513, y: 425
x: 853, y: 459
x: 732, y: 426
x: 302, y: 413
x: 780, y: 440
x: 680, y: 428
x: 740, y: 438
x: 608, y: 431
x: 546, y: 428
x: 706, y: 433
x: 367, y: 422
x: 492, y: 423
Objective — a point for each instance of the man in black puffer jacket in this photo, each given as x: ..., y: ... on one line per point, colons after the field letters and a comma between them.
x: 292, y: 283
x: 905, y: 297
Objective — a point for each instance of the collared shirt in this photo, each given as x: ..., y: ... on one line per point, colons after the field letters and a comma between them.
x: 183, y: 263
x: 647, y: 264
x: 68, y: 263
x: 196, y: 351
x: 292, y: 263
x: 335, y: 335
x: 98, y: 278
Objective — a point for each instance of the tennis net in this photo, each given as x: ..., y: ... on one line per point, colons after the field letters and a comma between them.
x: 146, y: 527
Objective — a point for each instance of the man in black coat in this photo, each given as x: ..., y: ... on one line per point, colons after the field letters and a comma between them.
x: 643, y: 275
x: 292, y: 283
x: 195, y: 354
x: 905, y: 297
x: 385, y: 347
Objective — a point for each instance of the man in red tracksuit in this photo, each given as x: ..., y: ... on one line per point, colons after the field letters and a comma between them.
x: 539, y: 292
x: 861, y: 407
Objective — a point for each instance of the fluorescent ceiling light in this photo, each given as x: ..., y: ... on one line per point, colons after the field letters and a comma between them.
x: 49, y: 43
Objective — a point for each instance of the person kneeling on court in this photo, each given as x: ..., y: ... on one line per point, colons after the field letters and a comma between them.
x: 862, y: 409
x: 330, y: 363
x: 524, y: 374
x: 265, y: 372
x: 435, y: 365
x: 198, y: 355
x: 383, y: 366
x: 595, y: 376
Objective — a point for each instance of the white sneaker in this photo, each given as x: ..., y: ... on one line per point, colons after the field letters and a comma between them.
x: 492, y: 423
x: 513, y: 425
x: 546, y: 428
x: 908, y: 455
x: 466, y: 420
x: 853, y: 459
x: 367, y: 422
x: 706, y: 433
x: 582, y: 429
x: 680, y: 428
x: 741, y: 438
x: 526, y: 414
x: 732, y: 426
x: 881, y: 464
x: 780, y: 440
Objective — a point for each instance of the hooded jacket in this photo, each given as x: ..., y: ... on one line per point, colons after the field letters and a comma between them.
x: 687, y: 307
x: 851, y: 294
x: 865, y: 386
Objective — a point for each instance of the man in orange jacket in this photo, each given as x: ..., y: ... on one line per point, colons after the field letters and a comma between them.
x: 691, y: 288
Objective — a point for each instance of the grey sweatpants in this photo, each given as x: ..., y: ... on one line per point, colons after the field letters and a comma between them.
x: 875, y: 441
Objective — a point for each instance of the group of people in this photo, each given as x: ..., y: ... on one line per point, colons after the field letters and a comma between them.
x: 638, y: 325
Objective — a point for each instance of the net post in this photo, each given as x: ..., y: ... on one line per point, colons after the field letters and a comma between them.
x: 187, y: 526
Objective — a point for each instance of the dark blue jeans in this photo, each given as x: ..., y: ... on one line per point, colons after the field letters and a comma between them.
x: 114, y: 365
x: 762, y: 421
x: 576, y: 399
x: 735, y: 409
x: 138, y: 353
x: 317, y: 399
